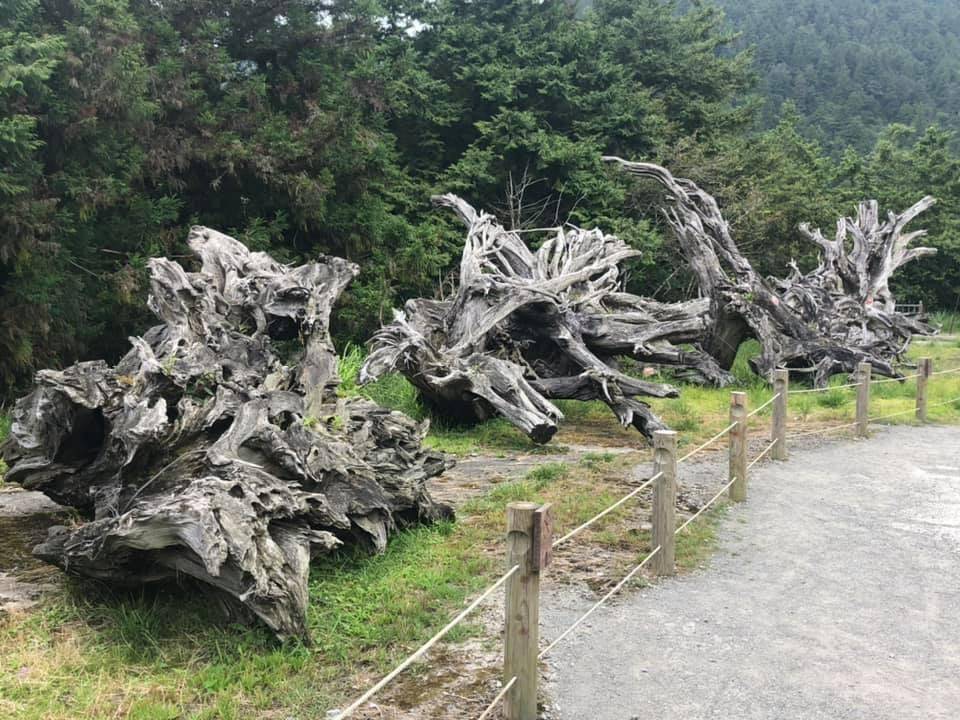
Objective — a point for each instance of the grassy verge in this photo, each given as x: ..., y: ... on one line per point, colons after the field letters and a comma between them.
x: 147, y: 656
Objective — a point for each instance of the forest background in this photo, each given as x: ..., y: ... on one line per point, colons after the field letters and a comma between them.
x: 308, y: 127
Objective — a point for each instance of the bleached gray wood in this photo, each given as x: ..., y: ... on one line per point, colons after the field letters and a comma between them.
x: 663, y: 515
x: 522, y: 630
x: 527, y: 327
x: 217, y: 448
x: 821, y: 323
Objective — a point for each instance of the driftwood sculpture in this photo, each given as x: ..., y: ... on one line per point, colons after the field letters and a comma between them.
x: 822, y: 323
x: 206, y: 452
x: 525, y: 328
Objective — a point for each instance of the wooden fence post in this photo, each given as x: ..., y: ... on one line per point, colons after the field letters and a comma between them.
x: 781, y: 387
x: 924, y: 369
x: 522, y: 634
x: 738, y: 447
x: 664, y: 502
x: 863, y: 398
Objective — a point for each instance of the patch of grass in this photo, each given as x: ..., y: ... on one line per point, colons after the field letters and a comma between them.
x: 803, y: 405
x: 948, y: 322
x: 594, y: 460
x: 699, y: 539
x: 835, y: 398
x: 491, y: 436
x: 741, y: 369
x: 392, y: 390
x: 682, y: 416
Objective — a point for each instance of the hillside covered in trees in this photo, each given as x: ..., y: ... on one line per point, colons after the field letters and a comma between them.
x: 323, y: 126
x: 851, y: 67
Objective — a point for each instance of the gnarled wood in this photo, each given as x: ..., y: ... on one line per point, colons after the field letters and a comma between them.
x: 526, y: 327
x: 824, y: 322
x: 204, y: 452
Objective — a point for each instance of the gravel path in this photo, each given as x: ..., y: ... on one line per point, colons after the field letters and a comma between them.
x: 835, y: 593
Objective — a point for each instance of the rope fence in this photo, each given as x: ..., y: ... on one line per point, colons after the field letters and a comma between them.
x: 817, y: 431
x: 895, y: 379
x: 426, y: 646
x: 765, y: 405
x: 498, y: 699
x: 824, y: 389
x: 702, y: 510
x: 577, y: 530
x: 602, y: 601
x: 530, y: 544
x: 763, y: 453
x: 708, y: 443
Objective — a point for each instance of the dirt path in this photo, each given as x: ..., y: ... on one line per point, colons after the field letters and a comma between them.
x: 834, y: 594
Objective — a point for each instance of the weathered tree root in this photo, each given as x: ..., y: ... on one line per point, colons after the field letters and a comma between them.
x: 205, y: 453
x: 821, y: 323
x: 525, y: 328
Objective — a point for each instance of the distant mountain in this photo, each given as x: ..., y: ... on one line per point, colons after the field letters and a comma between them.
x: 854, y: 66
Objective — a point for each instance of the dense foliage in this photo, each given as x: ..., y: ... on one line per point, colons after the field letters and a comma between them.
x: 854, y: 66
x: 322, y: 126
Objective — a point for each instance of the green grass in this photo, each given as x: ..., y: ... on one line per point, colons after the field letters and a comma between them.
x: 392, y: 390
x: 496, y: 436
x: 948, y: 322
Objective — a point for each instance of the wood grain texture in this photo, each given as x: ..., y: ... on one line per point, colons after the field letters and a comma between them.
x: 664, y: 510
x: 522, y: 621
x: 781, y: 388
x: 738, y: 447
x: 820, y: 323
x: 217, y: 448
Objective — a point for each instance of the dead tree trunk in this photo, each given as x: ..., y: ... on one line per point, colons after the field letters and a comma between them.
x: 205, y: 452
x: 822, y: 323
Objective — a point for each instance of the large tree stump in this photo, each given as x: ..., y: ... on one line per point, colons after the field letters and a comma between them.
x: 526, y: 327
x: 820, y: 323
x: 217, y: 447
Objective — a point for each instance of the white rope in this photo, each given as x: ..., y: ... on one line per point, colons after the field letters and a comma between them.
x: 601, y: 601
x: 498, y: 698
x: 703, y: 509
x: 945, y: 402
x: 822, y: 430
x: 709, y: 442
x: 760, y: 457
x: 767, y: 403
x: 609, y: 510
x: 426, y: 646
x: 826, y: 389
x: 946, y: 372
x: 895, y: 379
x: 884, y: 417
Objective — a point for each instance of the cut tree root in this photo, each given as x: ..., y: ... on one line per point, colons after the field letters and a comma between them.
x: 820, y: 323
x: 526, y: 327
x: 206, y: 453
